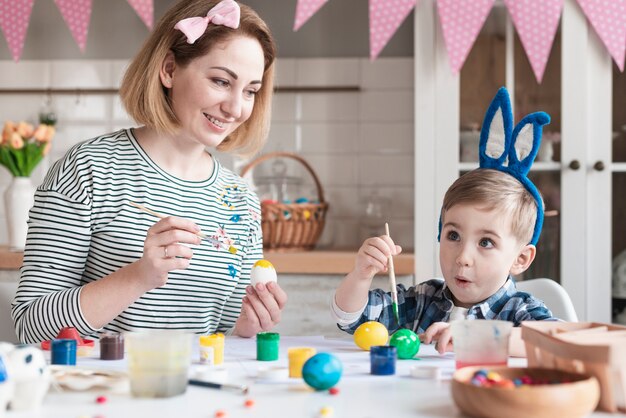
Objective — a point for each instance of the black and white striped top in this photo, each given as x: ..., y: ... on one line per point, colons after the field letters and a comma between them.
x: 82, y: 228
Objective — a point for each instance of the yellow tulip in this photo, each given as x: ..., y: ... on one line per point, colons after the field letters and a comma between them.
x: 25, y: 129
x: 16, y: 141
x: 41, y: 132
x: 50, y: 131
x: 9, y: 128
x: 46, y: 148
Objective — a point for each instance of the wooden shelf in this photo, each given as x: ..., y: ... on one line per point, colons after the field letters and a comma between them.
x: 303, y: 262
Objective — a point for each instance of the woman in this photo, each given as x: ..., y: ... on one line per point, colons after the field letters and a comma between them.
x: 203, y: 79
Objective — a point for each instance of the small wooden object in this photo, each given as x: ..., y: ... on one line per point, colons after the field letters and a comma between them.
x: 392, y: 281
x: 584, y: 347
x: 576, y: 398
x: 291, y: 226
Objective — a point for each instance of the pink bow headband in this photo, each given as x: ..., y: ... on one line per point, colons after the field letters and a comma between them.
x: 225, y: 13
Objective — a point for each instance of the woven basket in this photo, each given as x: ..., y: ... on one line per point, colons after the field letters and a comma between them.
x: 291, y: 226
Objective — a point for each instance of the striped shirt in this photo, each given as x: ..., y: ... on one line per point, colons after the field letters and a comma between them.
x: 431, y: 301
x: 82, y: 228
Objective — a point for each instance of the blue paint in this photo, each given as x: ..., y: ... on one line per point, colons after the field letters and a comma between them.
x: 63, y: 352
x: 232, y: 270
x: 3, y: 371
x: 383, y: 360
x: 235, y: 218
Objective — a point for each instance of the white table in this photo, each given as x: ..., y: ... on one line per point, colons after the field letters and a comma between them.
x: 361, y: 394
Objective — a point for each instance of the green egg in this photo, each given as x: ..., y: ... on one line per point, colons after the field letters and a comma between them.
x: 406, y: 342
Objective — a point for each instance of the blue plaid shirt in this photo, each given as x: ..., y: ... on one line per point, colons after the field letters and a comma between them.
x: 431, y: 301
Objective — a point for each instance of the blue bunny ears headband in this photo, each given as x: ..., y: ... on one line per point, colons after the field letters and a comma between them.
x: 512, y: 150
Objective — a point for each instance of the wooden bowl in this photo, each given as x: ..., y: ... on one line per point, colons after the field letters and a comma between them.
x: 577, y: 398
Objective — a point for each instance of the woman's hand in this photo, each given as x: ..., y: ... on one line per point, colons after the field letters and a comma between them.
x: 260, y: 309
x: 373, y: 256
x: 164, y: 250
x: 439, y: 332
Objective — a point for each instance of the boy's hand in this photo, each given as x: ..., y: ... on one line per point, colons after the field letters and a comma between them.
x: 439, y: 332
x: 373, y: 256
x: 261, y: 309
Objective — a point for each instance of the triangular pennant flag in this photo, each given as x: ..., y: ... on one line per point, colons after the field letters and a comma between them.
x: 76, y: 14
x: 608, y: 18
x: 461, y: 21
x: 385, y: 18
x: 304, y: 10
x: 14, y: 17
x: 536, y: 22
x: 145, y: 10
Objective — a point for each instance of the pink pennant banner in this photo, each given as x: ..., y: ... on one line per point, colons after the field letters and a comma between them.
x: 14, y: 18
x: 386, y: 16
x: 76, y: 14
x: 145, y: 11
x: 305, y: 9
x: 461, y: 21
x: 608, y: 18
x: 536, y: 22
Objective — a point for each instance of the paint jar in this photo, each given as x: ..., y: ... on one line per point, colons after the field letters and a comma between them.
x: 158, y: 363
x: 267, y: 344
x: 383, y: 360
x: 297, y: 357
x: 111, y: 346
x: 63, y: 352
x: 216, y: 341
x: 207, y: 355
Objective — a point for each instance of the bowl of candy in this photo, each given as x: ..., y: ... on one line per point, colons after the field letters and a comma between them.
x: 524, y: 392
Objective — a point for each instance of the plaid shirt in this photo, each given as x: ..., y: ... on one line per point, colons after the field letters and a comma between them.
x: 431, y: 301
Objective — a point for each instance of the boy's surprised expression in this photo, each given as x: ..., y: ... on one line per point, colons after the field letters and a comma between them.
x: 478, y: 252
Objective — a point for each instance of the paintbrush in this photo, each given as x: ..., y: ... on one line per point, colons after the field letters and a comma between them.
x: 213, y: 241
x: 392, y: 282
x: 243, y: 389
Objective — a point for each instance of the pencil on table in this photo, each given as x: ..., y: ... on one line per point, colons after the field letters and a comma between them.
x: 142, y: 208
x: 392, y: 282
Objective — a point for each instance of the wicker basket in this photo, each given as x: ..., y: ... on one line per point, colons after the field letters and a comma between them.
x: 583, y: 347
x: 291, y: 226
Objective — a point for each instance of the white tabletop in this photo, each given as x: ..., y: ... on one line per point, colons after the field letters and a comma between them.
x: 360, y: 393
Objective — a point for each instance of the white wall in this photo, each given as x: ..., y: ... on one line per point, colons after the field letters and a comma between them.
x: 357, y: 142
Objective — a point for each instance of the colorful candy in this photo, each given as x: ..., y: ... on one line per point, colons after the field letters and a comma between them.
x: 249, y: 403
x: 485, y: 378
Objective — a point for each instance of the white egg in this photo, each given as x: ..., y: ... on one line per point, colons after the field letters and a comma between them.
x: 262, y: 272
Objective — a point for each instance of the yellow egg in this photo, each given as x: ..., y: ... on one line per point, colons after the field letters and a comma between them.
x: 369, y: 334
x: 262, y: 272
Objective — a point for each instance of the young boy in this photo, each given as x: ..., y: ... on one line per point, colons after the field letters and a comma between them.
x: 490, y: 222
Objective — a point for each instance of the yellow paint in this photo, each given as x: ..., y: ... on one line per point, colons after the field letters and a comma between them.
x: 217, y: 342
x: 297, y: 357
x: 263, y: 263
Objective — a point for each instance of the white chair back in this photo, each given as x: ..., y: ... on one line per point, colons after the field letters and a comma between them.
x: 553, y: 295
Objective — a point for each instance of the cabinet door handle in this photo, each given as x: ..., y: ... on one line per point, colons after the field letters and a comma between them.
x: 574, y: 165
x: 598, y: 166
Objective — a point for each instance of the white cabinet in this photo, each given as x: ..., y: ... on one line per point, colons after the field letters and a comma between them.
x: 584, y: 170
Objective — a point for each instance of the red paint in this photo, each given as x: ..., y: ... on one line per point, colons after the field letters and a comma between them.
x: 333, y: 391
x: 101, y: 399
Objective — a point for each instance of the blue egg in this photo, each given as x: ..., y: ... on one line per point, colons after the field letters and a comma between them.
x: 322, y: 371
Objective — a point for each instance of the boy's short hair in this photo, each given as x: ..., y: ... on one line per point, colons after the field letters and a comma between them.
x: 496, y: 190
x: 145, y: 98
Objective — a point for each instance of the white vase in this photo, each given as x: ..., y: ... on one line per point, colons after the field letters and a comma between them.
x: 18, y: 199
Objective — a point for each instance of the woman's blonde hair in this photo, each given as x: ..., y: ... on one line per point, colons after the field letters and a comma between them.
x: 145, y: 98
x: 497, y: 190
